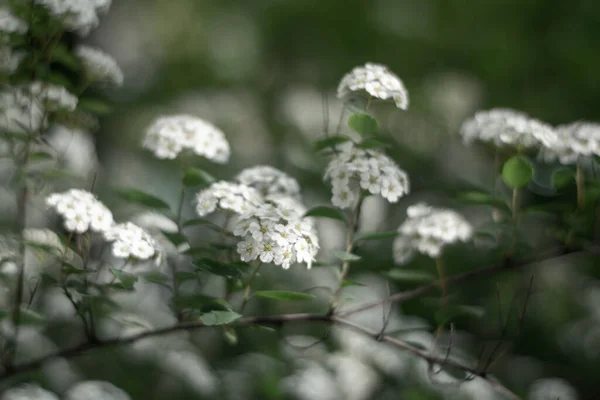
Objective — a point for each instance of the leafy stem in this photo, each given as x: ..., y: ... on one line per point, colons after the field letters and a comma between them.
x: 248, y: 285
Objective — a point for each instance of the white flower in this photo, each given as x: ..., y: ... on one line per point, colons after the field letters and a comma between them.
x: 573, y: 141
x: 11, y: 24
x: 168, y: 136
x: 100, y: 66
x: 28, y: 391
x: 353, y: 169
x: 374, y: 80
x: 505, y: 127
x: 274, y: 235
x: 227, y: 196
x: 81, y: 211
x: 53, y: 97
x: 130, y: 241
x: 76, y: 149
x: 95, y: 390
x: 20, y: 112
x: 269, y: 181
x: 427, y: 230
x: 80, y: 16
x: 552, y: 389
x: 9, y: 59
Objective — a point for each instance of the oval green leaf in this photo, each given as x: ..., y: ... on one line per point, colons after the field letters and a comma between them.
x: 196, y: 177
x: 219, y: 317
x: 517, y: 172
x: 363, y: 124
x: 144, y: 199
x: 326, y: 212
x: 330, y: 141
x: 345, y: 256
x: 283, y: 295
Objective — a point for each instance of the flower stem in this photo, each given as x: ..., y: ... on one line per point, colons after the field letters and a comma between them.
x: 248, y: 285
x: 515, y: 215
x: 350, y: 232
x: 439, y: 264
x: 580, y: 179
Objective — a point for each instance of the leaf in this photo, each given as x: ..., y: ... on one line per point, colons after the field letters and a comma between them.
x: 201, y: 303
x: 376, y: 236
x: 183, y: 276
x: 330, y: 141
x: 139, y: 197
x: 562, y: 177
x: 157, y: 277
x: 126, y: 280
x: 62, y: 55
x: 517, y: 172
x: 40, y: 156
x: 406, y: 275
x: 451, y: 313
x: 283, y: 295
x: 218, y: 268
x: 196, y: 177
x: 219, y: 317
x: 95, y: 106
x: 363, y: 124
x: 68, y: 269
x: 326, y: 212
x: 482, y: 198
x: 175, y: 238
x: 345, y: 256
x: 371, y: 143
x: 230, y: 335
x: 348, y: 282
x: 198, y: 221
x: 26, y: 316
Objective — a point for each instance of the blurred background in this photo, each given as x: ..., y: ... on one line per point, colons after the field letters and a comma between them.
x: 265, y: 72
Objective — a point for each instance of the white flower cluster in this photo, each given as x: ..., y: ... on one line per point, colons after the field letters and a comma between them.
x: 81, y: 211
x: 229, y: 197
x: 53, y: 97
x: 579, y: 139
x: 100, y: 66
x: 168, y: 136
x: 9, y: 23
x: 353, y: 169
x: 129, y: 240
x: 269, y: 181
x: 9, y: 59
x: 506, y: 127
x: 28, y: 391
x: 76, y: 149
x: 276, y: 235
x: 19, y: 111
x: 427, y: 230
x: 378, y: 81
x: 80, y: 16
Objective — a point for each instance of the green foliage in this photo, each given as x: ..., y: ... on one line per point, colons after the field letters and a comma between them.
x: 196, y: 177
x: 345, y: 256
x: 452, y: 313
x: 326, y: 212
x: 283, y: 295
x: 144, y: 199
x: 219, y: 317
x: 330, y: 142
x: 517, y: 172
x: 412, y: 276
x: 126, y: 280
x: 363, y: 124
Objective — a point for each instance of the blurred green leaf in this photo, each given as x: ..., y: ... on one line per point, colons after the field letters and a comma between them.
x: 517, y: 172
x: 199, y: 221
x: 451, y: 313
x: 219, y: 317
x: 139, y: 197
x: 201, y: 303
x: 283, y: 295
x: 363, y: 124
x: 371, y: 143
x: 175, y: 238
x: 218, y: 268
x: 95, y: 106
x: 348, y: 282
x: 26, y: 316
x: 62, y: 55
x: 196, y: 177
x: 345, y: 256
x: 376, y: 236
x: 482, y: 198
x: 326, y: 212
x: 561, y: 177
x: 406, y: 275
x: 183, y: 276
x: 40, y: 156
x: 157, y: 277
x: 330, y: 141
x: 126, y: 280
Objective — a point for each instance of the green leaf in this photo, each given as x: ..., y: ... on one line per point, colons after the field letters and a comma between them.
x: 562, y: 177
x: 371, y: 143
x: 330, y: 141
x: 517, y: 172
x: 376, y: 236
x: 62, y: 55
x: 183, y: 276
x: 69, y: 269
x: 348, y: 282
x: 345, y: 256
x: 199, y: 221
x: 95, y: 106
x: 406, y: 275
x: 157, y: 277
x: 219, y: 317
x: 26, y: 316
x: 481, y: 198
x: 139, y: 197
x: 326, y: 212
x: 451, y: 313
x: 230, y: 335
x: 201, y: 303
x: 40, y: 156
x: 175, y: 238
x: 126, y: 280
x: 283, y: 295
x: 196, y: 177
x: 218, y: 268
x: 363, y: 124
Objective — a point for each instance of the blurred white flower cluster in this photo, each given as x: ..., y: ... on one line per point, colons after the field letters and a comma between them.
x: 269, y: 181
x: 81, y: 211
x: 53, y: 97
x: 506, y: 127
x: 377, y: 81
x: 552, y: 389
x: 276, y: 235
x: 573, y: 141
x: 129, y: 240
x: 100, y: 66
x: 75, y: 148
x: 80, y: 16
x: 168, y: 136
x: 27, y: 392
x: 353, y: 169
x: 228, y: 197
x: 9, y: 59
x: 9, y: 23
x: 427, y: 230
x: 88, y: 390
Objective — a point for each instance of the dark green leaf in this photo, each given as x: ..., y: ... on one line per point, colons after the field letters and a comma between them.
x: 219, y: 317
x: 483, y: 199
x: 156, y: 277
x: 126, y: 280
x: 196, y: 177
x: 517, y: 172
x: 183, y: 276
x: 175, y: 238
x: 62, y: 55
x: 371, y: 143
x: 201, y: 303
x: 348, y: 282
x: 283, y: 295
x: 376, y: 236
x: 345, y: 256
x: 26, y: 316
x: 69, y: 269
x: 405, y: 275
x: 40, y: 156
x: 139, y: 197
x: 330, y: 141
x: 218, y: 268
x: 198, y: 221
x: 562, y: 177
x: 451, y: 313
x: 95, y: 106
x: 326, y: 212
x: 363, y: 124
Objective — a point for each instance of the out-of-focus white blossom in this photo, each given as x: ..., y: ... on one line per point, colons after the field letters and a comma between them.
x: 552, y: 389
x: 95, y: 390
x: 76, y: 149
x: 54, y: 98
x: 80, y: 16
x: 229, y: 197
x: 9, y: 23
x: 275, y: 234
x: 573, y: 141
x: 427, y: 230
x: 100, y: 66
x: 81, y: 211
x: 352, y: 170
x: 129, y: 240
x: 9, y: 59
x: 506, y: 127
x: 269, y: 181
x: 28, y: 392
x: 168, y: 136
x: 374, y: 80
x: 8, y: 255
x: 20, y: 112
